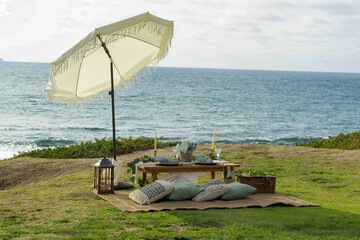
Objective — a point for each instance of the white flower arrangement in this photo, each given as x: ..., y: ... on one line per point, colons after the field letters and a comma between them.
x: 186, y: 146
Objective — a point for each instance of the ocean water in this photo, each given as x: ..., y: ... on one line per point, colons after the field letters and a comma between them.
x: 243, y: 106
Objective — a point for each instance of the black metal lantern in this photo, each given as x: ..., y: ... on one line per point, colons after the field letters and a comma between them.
x: 104, y: 176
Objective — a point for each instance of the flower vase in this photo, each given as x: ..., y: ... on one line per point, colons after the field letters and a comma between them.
x: 186, y: 157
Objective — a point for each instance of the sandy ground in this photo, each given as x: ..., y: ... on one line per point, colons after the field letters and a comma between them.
x: 25, y: 171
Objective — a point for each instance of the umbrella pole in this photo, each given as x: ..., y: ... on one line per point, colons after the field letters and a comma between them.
x: 113, y: 109
x: 111, y: 93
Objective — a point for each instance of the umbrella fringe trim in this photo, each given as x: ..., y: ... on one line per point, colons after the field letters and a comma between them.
x: 111, y: 37
x: 123, y: 86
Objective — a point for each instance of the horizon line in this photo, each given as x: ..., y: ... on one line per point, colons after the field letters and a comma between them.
x: 241, y: 69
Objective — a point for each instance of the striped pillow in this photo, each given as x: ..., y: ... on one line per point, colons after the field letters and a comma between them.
x: 152, y: 192
x: 211, y: 193
x: 213, y: 182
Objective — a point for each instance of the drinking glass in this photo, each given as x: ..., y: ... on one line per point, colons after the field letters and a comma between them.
x: 217, y: 151
x: 176, y: 150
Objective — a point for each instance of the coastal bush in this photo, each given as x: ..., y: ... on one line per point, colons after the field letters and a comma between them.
x: 342, y: 141
x: 96, y: 149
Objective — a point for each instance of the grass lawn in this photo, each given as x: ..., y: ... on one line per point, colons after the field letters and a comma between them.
x: 62, y: 206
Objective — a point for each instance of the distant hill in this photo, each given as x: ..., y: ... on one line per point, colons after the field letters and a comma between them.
x: 1, y: 60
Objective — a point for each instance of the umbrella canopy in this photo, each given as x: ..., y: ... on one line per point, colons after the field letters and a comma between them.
x: 82, y: 74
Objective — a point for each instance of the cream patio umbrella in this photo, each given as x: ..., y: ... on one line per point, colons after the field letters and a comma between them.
x: 109, y: 59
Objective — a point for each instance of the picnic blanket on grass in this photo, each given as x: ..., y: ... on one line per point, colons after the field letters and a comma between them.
x: 122, y: 201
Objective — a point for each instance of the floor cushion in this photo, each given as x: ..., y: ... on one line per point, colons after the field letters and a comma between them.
x: 185, y: 190
x: 237, y: 191
x: 211, y: 192
x: 152, y: 192
x: 213, y: 182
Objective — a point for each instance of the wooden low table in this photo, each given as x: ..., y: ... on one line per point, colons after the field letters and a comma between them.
x: 155, y: 169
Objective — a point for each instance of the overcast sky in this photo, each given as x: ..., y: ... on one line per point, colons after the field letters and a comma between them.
x: 302, y: 35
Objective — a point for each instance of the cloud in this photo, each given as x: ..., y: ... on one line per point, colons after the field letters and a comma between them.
x: 256, y: 30
x: 3, y: 6
x: 272, y: 18
x: 345, y: 8
x: 273, y: 34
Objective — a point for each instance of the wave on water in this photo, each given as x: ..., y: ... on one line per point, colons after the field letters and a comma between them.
x: 8, y: 150
x: 6, y: 153
x: 49, y: 142
x: 94, y: 129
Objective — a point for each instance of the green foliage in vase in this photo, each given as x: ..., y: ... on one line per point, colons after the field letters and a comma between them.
x: 186, y: 146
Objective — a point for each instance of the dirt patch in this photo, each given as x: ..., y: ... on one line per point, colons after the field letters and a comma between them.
x: 25, y: 171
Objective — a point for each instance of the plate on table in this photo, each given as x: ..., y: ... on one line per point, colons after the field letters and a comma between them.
x: 168, y: 164
x: 187, y: 163
x: 205, y: 163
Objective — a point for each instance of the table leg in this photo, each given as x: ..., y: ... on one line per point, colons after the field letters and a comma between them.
x: 212, y: 175
x: 233, y: 172
x: 154, y: 176
x: 143, y: 178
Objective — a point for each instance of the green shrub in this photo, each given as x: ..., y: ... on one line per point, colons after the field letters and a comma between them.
x: 342, y: 141
x: 131, y: 167
x: 258, y: 173
x: 99, y: 148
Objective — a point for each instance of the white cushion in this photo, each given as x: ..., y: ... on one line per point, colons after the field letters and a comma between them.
x: 212, y: 192
x: 216, y: 181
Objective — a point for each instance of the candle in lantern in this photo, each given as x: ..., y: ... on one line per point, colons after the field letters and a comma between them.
x: 212, y: 145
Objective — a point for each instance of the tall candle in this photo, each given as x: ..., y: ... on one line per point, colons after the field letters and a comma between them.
x: 155, y: 140
x: 212, y: 145
x: 155, y: 143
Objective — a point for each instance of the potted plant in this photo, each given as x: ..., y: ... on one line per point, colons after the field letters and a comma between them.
x: 186, y: 150
x: 131, y: 166
x: 264, y: 182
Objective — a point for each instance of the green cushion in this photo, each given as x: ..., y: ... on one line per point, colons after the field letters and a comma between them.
x: 185, y: 190
x: 237, y: 191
